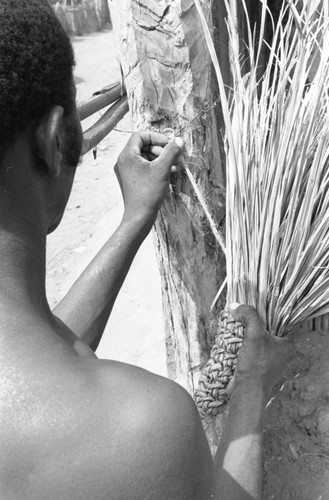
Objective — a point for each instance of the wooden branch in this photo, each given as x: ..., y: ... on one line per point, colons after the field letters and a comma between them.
x: 95, y: 134
x: 100, y: 100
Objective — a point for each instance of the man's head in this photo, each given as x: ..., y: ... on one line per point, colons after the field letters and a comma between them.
x: 36, y: 62
x: 37, y: 93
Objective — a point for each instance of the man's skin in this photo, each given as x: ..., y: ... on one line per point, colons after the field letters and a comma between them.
x: 73, y: 427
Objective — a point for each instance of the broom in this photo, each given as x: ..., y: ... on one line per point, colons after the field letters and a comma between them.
x: 277, y: 198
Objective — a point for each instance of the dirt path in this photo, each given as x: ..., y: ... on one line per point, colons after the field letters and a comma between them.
x: 135, y: 330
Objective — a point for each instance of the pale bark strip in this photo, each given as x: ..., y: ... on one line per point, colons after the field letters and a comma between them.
x: 167, y: 74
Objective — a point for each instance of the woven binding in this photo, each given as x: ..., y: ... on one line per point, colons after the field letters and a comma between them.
x: 211, y: 395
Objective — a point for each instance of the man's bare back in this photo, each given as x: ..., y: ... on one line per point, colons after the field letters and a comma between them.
x: 80, y: 428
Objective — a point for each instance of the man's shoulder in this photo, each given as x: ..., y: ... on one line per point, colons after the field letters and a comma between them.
x: 159, y: 432
x: 145, y: 395
x: 108, y: 427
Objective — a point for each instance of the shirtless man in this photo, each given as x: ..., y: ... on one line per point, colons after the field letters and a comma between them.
x: 73, y: 427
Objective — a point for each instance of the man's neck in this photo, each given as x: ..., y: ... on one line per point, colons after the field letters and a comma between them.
x: 22, y: 272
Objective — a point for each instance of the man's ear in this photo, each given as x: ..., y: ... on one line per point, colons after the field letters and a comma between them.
x: 49, y: 140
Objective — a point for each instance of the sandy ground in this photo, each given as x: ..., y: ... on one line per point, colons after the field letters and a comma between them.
x: 296, y: 457
x: 135, y: 332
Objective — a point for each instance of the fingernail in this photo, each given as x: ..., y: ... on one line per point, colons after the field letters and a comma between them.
x: 233, y: 306
x: 180, y: 142
x: 169, y: 132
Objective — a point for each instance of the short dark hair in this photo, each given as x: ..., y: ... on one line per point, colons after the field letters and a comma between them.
x: 36, y: 66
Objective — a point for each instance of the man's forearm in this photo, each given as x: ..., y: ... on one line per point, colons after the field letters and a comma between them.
x: 86, y: 307
x: 238, y: 463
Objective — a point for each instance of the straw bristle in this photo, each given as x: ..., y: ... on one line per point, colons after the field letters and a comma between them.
x: 277, y: 153
x: 277, y: 188
x: 277, y: 149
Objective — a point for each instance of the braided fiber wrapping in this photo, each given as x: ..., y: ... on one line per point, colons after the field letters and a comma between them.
x: 211, y: 395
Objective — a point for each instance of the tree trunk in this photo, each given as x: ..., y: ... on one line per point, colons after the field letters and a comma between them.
x: 168, y: 75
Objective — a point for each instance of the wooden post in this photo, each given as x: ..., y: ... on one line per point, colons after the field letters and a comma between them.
x: 170, y: 84
x: 168, y: 75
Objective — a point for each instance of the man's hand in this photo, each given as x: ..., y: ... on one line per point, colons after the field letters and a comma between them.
x: 143, y: 171
x: 263, y: 358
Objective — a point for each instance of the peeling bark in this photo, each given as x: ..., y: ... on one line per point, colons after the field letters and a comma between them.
x: 168, y: 76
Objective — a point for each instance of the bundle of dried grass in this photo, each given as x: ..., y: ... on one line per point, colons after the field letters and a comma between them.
x: 277, y: 151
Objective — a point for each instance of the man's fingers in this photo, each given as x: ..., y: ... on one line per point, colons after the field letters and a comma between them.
x: 153, y: 138
x: 152, y: 150
x: 248, y: 316
x: 148, y: 156
x: 171, y: 152
x: 254, y: 329
x: 145, y: 138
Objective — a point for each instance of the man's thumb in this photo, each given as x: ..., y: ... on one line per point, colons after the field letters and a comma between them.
x: 247, y: 315
x: 171, y: 152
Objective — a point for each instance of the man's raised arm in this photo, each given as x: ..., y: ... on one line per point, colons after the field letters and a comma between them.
x: 143, y: 171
